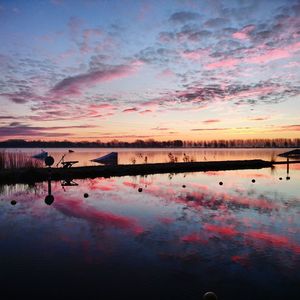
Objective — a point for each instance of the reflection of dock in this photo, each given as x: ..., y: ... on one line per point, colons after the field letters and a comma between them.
x: 41, y: 174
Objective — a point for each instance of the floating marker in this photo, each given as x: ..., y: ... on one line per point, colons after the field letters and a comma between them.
x: 280, y: 178
x: 49, y: 161
x: 288, y: 178
x: 13, y: 202
x: 210, y: 296
x: 220, y: 183
x: 184, y: 186
x: 49, y: 199
x: 253, y: 180
x: 86, y: 195
x: 140, y: 190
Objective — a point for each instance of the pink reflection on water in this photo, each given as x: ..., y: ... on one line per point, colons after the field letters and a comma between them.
x: 194, y: 238
x: 271, y: 239
x: 100, y: 184
x: 166, y: 220
x: 222, y: 230
x: 79, y: 209
x: 241, y: 259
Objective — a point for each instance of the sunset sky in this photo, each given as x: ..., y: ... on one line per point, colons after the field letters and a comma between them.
x: 131, y: 69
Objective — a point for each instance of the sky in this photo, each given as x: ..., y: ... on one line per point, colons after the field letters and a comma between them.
x: 164, y: 70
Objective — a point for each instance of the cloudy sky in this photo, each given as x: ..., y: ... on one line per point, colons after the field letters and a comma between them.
x: 133, y: 69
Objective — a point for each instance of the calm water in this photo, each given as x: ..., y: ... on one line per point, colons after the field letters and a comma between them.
x: 181, y: 236
x: 127, y: 155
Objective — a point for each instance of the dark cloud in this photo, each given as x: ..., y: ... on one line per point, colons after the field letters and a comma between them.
x: 209, y: 121
x: 19, y: 97
x: 7, y: 117
x: 111, y: 136
x: 160, y: 128
x: 262, y: 92
x: 18, y: 129
x: 156, y: 55
x: 98, y: 61
x: 259, y: 119
x: 166, y: 36
x: 184, y: 16
x: 13, y: 124
x: 128, y: 110
x: 216, y: 22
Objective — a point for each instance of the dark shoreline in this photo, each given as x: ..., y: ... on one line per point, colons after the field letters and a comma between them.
x: 33, y: 175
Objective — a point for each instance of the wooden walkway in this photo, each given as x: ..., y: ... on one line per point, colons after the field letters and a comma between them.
x: 42, y: 174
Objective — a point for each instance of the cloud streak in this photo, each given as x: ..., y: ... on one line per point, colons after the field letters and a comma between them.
x: 75, y: 85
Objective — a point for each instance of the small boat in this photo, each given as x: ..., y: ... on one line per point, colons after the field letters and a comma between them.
x: 41, y: 155
x: 108, y: 159
x: 291, y: 154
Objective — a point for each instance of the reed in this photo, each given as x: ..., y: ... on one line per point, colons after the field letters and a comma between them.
x: 273, y: 157
x: 2, y: 160
x: 16, y: 160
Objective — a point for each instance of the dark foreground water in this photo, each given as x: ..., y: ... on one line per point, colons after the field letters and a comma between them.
x: 181, y: 236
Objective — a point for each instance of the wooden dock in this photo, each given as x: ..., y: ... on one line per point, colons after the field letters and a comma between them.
x: 41, y: 174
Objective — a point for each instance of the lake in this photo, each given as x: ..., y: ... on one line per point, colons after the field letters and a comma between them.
x: 163, y: 236
x: 138, y: 155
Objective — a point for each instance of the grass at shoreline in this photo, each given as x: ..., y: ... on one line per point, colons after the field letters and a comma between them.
x: 17, y: 160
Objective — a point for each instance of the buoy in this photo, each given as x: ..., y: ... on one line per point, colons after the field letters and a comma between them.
x: 49, y: 161
x: 13, y: 202
x: 288, y: 178
x: 253, y: 180
x: 210, y: 296
x: 280, y: 178
x: 184, y: 186
x: 220, y: 183
x: 85, y: 195
x: 49, y: 199
x: 140, y: 190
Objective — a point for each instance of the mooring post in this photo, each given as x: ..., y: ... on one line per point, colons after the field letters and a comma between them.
x: 49, y: 161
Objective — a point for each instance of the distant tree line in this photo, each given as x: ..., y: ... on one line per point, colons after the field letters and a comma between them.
x: 151, y: 143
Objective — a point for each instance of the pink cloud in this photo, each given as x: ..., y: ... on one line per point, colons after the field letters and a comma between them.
x: 268, y: 56
x: 226, y: 63
x: 295, y: 127
x: 240, y: 35
x: 75, y: 85
x: 166, y: 73
x: 244, y: 33
x: 253, y: 92
x: 194, y: 55
x: 274, y: 54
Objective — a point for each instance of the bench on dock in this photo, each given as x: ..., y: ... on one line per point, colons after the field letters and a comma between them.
x: 69, y: 164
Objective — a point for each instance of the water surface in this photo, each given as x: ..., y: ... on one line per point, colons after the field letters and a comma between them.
x: 161, y: 155
x: 180, y: 236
